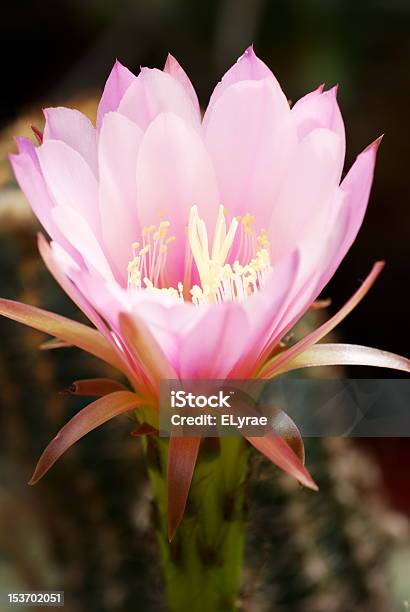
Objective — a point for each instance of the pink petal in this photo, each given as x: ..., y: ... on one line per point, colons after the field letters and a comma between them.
x: 142, y: 344
x: 247, y: 68
x: 214, y: 345
x: 182, y: 456
x: 264, y: 310
x: 280, y: 453
x: 28, y: 174
x: 26, y: 146
x: 347, y: 354
x: 174, y: 172
x: 350, y: 206
x: 69, y: 277
x: 117, y: 84
x: 314, y: 256
x: 50, y: 258
x: 284, y: 427
x: 173, y: 68
x: 249, y: 136
x: 79, y: 234
x: 155, y: 92
x: 320, y: 258
x: 307, y: 194
x: 75, y: 129
x: 118, y: 147
x: 108, y: 299
x: 319, y: 109
x: 357, y: 185
x: 82, y: 336
x: 94, y: 415
x: 353, y: 196
x: 168, y: 322
x: 279, y: 362
x: 70, y: 180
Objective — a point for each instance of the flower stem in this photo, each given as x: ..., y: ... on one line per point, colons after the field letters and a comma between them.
x: 202, y: 565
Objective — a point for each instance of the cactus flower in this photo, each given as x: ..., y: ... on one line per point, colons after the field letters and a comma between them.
x: 194, y: 243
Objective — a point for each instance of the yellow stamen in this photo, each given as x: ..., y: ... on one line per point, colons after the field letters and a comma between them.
x: 220, y: 281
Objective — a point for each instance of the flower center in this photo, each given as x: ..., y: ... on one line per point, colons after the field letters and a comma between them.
x: 219, y: 280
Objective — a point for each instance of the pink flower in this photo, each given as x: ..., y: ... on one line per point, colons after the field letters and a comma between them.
x: 193, y: 245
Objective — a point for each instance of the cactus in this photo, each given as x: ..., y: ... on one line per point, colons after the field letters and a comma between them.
x: 203, y: 562
x: 87, y: 528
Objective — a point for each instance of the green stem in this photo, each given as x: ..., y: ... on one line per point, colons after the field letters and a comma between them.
x: 202, y: 565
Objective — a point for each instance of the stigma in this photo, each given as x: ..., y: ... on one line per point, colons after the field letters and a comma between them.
x: 230, y: 269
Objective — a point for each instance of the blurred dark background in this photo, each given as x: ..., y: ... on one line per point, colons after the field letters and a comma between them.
x: 93, y: 507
